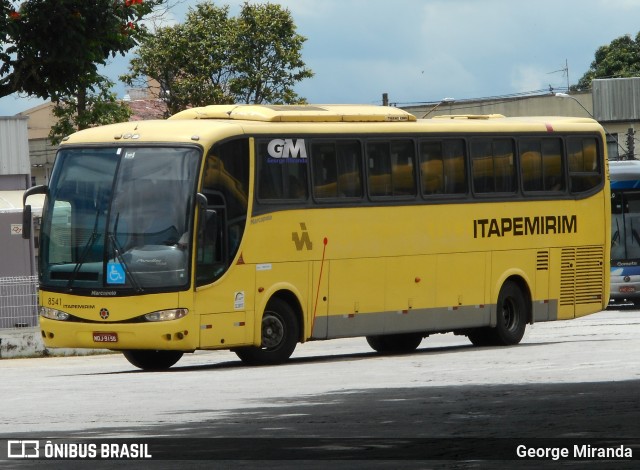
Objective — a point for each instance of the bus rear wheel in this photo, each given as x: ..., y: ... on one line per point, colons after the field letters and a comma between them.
x: 280, y: 334
x: 395, y: 344
x: 152, y: 360
x: 511, y: 319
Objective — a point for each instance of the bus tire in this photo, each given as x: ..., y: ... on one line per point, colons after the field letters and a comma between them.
x: 512, y: 313
x: 152, y: 360
x: 481, y: 336
x: 395, y: 344
x: 280, y: 334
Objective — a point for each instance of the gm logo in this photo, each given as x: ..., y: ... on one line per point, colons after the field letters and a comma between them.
x: 287, y: 148
x: 23, y: 449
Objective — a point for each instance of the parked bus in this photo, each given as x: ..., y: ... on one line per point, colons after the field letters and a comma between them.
x: 254, y: 228
x: 625, y: 227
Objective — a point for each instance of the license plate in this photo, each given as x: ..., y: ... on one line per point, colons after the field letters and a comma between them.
x: 100, y: 337
x: 627, y: 289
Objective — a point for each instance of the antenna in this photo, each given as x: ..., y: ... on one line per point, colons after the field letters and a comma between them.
x: 565, y: 71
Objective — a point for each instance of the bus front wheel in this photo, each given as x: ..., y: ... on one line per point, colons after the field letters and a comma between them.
x: 152, y: 360
x: 280, y: 334
x: 512, y: 313
x: 395, y: 344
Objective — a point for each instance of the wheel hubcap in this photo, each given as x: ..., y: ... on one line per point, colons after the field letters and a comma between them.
x: 508, y: 314
x: 272, y: 331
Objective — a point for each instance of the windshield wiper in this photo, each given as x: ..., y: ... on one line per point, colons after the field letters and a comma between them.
x: 85, y: 251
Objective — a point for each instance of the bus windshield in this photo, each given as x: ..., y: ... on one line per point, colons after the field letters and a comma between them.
x: 625, y: 225
x: 119, y: 218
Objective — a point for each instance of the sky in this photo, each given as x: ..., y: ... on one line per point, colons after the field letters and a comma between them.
x: 420, y: 51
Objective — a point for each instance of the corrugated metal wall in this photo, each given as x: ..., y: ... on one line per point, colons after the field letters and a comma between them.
x: 14, y: 146
x: 616, y: 99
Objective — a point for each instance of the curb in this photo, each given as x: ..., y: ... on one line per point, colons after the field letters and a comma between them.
x: 27, y: 342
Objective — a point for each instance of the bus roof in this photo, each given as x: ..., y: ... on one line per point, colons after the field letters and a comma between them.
x: 211, y: 123
x: 298, y: 113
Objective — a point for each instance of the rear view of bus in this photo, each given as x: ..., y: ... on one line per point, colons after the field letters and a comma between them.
x: 625, y: 232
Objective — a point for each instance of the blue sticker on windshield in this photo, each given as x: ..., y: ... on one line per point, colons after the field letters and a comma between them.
x: 115, y: 273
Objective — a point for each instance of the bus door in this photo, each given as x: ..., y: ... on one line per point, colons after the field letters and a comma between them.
x: 222, y: 293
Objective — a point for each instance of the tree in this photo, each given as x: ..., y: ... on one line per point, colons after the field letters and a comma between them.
x: 620, y: 58
x: 189, y: 62
x: 267, y: 57
x: 208, y: 36
x: 52, y: 49
x: 100, y: 107
x: 213, y: 58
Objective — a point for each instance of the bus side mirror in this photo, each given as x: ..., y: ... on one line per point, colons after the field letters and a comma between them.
x: 26, y: 208
x: 26, y: 222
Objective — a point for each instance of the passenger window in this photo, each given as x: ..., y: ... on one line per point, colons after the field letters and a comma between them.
x: 379, y: 171
x: 391, y: 169
x: 336, y: 170
x: 552, y: 168
x: 403, y: 168
x: 531, y: 165
x: 503, y: 166
x: 541, y: 165
x: 350, y: 169
x: 442, y: 166
x: 282, y: 170
x: 585, y: 170
x: 493, y: 166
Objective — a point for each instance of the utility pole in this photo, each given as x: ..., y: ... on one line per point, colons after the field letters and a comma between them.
x: 631, y: 144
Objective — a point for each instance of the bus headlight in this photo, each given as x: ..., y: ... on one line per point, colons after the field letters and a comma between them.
x: 166, y: 315
x: 53, y: 314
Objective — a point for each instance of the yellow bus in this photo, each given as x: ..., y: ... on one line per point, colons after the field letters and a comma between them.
x: 254, y: 228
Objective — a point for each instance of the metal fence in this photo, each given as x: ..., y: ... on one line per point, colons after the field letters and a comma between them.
x: 18, y: 301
